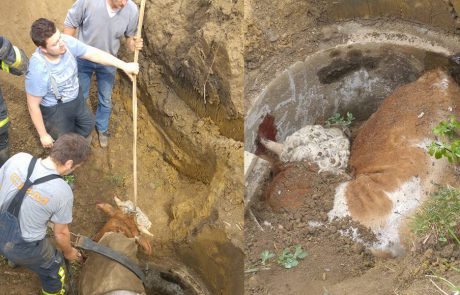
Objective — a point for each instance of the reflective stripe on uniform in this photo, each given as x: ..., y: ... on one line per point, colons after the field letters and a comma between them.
x: 61, y: 274
x: 4, y: 121
x: 18, y: 57
x: 5, y: 67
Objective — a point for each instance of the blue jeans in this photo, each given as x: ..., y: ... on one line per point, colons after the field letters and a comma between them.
x: 105, y: 76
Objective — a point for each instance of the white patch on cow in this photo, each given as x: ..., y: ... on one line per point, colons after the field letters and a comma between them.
x: 405, y: 199
x: 340, y: 208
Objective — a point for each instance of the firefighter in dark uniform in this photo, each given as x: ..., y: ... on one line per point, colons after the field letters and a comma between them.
x: 14, y: 61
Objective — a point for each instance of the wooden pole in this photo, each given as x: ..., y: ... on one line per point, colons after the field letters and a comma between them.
x: 136, y: 58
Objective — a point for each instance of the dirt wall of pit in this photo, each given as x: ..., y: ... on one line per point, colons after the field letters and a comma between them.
x: 191, y: 83
x: 197, y: 46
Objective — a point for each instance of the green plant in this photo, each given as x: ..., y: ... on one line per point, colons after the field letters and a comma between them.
x: 265, y: 256
x: 450, y: 147
x: 289, y: 260
x: 439, y: 215
x: 337, y: 119
x: 70, y: 179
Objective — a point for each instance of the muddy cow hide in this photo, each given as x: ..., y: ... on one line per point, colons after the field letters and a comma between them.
x: 391, y: 167
x: 123, y: 223
x: 101, y: 275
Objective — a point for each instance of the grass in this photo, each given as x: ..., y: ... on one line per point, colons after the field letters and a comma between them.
x: 453, y: 288
x: 439, y: 215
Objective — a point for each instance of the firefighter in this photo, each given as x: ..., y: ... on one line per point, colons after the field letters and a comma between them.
x: 33, y: 194
x: 14, y: 61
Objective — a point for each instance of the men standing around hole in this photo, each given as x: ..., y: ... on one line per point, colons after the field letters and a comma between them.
x: 102, y: 24
x: 14, y: 61
x: 33, y: 193
x: 55, y: 100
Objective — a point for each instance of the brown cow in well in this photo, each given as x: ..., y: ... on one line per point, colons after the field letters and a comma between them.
x: 392, y: 171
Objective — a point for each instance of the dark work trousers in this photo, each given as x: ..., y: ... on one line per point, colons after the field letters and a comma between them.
x: 73, y: 116
x: 4, y: 123
x: 40, y: 257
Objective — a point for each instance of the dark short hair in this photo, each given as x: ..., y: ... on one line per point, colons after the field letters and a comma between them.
x: 70, y: 146
x: 41, y: 30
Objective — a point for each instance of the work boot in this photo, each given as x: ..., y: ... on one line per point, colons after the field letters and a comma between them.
x: 103, y: 138
x: 4, y: 155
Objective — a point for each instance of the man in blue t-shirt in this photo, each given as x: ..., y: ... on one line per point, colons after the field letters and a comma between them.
x: 55, y: 101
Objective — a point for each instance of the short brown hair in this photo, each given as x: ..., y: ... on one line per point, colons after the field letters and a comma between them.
x: 41, y: 30
x: 70, y: 146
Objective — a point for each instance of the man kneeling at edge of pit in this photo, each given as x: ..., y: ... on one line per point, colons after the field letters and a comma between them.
x: 33, y: 193
x: 55, y: 101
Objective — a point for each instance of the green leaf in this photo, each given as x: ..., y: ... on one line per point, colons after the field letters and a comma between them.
x: 299, y: 252
x: 265, y: 256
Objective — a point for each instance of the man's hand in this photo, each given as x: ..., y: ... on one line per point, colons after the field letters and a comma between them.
x: 73, y: 254
x: 131, y: 69
x: 135, y: 43
x: 47, y: 141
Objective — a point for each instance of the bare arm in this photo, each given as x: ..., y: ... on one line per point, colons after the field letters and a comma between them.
x: 101, y: 57
x: 33, y: 103
x: 70, y: 31
x: 62, y: 237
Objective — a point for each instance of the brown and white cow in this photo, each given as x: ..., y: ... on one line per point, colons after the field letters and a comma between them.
x: 392, y: 171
